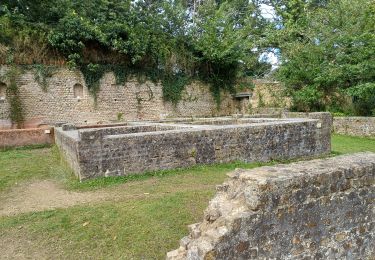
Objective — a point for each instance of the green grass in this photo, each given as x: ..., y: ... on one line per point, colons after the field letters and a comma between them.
x: 144, y: 222
x: 136, y: 229
x: 342, y: 144
x: 29, y: 163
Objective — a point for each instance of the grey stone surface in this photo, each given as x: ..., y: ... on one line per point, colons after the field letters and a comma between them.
x: 357, y: 126
x: 319, y: 209
x: 68, y: 127
x: 140, y: 147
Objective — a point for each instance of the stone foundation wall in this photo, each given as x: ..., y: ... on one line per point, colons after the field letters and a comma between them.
x: 320, y: 209
x: 357, y: 126
x: 125, y: 150
x: 22, y: 137
x: 68, y: 147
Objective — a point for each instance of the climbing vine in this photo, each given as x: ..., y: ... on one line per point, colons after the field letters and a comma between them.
x: 13, y: 95
x: 173, y: 85
x: 220, y: 77
x: 92, y: 73
x: 42, y: 73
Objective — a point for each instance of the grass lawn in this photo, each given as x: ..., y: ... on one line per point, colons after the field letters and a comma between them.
x: 146, y: 218
x: 342, y: 144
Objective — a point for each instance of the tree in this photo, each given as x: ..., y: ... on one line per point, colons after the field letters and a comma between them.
x: 328, y: 53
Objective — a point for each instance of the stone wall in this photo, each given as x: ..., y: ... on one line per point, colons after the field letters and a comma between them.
x: 320, y: 209
x: 22, y: 137
x: 325, y: 121
x: 269, y: 94
x: 357, y: 126
x: 125, y: 150
x: 131, y: 101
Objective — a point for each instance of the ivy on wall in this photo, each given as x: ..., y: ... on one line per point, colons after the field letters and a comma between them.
x: 172, y: 85
x: 13, y: 96
x: 42, y: 73
x: 92, y: 73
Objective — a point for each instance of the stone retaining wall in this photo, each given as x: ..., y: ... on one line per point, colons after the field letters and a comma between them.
x: 320, y: 209
x: 357, y: 126
x: 63, y: 101
x: 66, y: 98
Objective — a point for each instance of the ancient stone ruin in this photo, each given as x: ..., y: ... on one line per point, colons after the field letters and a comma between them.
x: 138, y: 147
x: 319, y: 209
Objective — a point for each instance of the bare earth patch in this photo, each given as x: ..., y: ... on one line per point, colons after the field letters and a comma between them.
x: 44, y: 195
x: 48, y: 195
x: 16, y: 245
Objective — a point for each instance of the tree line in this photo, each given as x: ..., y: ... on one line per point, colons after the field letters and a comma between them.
x: 325, y: 47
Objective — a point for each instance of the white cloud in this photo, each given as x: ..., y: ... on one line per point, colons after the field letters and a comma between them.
x: 271, y: 58
x: 267, y: 11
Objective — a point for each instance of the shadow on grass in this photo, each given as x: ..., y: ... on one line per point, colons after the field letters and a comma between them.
x: 26, y: 147
x: 102, y: 182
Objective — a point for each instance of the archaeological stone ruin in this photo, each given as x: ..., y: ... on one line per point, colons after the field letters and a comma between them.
x: 319, y: 209
x: 138, y: 147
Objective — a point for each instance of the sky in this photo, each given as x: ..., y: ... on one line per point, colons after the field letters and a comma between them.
x: 268, y: 12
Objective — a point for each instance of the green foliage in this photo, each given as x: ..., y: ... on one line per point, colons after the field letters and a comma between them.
x: 223, y: 38
x: 328, y: 52
x: 13, y: 96
x: 220, y: 78
x: 121, y: 74
x: 307, y: 99
x: 23, y: 43
x: 173, y: 85
x: 92, y: 74
x: 42, y: 73
x: 70, y: 36
x: 363, y: 98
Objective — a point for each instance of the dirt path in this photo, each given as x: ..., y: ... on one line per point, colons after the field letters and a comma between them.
x: 48, y: 195
x: 44, y: 195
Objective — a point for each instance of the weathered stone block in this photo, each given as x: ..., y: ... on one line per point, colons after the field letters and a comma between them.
x: 357, y: 126
x: 339, y: 224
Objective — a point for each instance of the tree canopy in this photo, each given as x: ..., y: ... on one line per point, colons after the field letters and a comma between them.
x: 328, y: 53
x: 325, y: 47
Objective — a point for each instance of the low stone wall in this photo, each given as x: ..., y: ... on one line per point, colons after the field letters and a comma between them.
x: 320, y: 209
x: 22, y: 137
x: 325, y: 121
x: 357, y: 126
x: 125, y: 150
